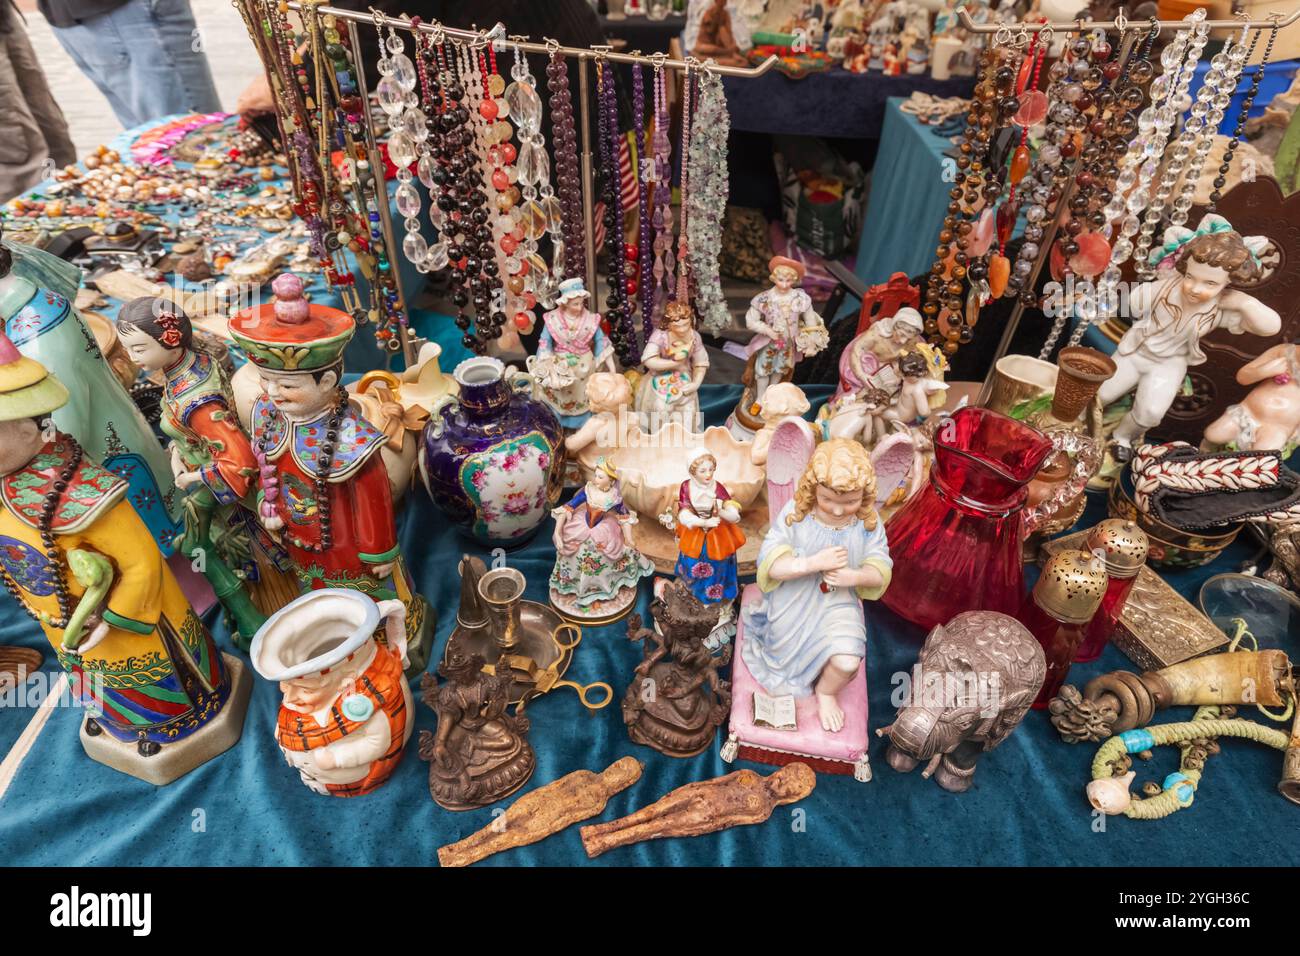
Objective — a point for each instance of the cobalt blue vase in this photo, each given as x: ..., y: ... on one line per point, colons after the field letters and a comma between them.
x: 491, y: 457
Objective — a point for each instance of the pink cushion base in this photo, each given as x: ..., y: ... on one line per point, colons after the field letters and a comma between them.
x: 809, y: 739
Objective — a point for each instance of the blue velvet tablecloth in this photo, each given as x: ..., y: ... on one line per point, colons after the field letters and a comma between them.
x: 835, y: 103
x: 247, y: 806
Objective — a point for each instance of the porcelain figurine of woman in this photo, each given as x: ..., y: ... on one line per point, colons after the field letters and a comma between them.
x: 323, y: 486
x: 212, y: 463
x: 879, y: 345
x: 597, y: 567
x: 480, y: 752
x: 570, y: 348
x: 78, y: 559
x: 36, y: 294
x: 1174, y: 312
x: 823, y: 556
x: 1269, y: 416
x: 676, y: 363
x: 708, y: 532
x: 786, y: 327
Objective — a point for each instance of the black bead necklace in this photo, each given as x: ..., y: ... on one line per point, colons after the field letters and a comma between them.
x: 1221, y: 179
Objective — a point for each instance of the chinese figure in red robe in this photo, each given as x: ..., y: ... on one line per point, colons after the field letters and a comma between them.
x: 323, y: 485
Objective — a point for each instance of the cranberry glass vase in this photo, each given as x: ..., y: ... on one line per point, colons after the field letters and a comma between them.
x: 956, y: 544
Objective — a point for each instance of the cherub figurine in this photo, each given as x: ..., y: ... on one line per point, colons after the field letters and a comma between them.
x: 1269, y: 416
x: 782, y: 400
x: 676, y: 364
x: 823, y: 556
x: 912, y: 405
x: 609, y: 398
x: 786, y: 327
x: 1174, y: 312
x: 707, y: 525
x: 480, y: 753
x: 570, y: 348
x: 597, y: 567
x: 676, y: 698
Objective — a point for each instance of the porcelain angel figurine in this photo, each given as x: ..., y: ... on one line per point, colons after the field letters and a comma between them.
x: 609, y: 399
x: 786, y: 327
x: 597, y: 567
x: 1269, y: 416
x: 571, y: 347
x: 707, y: 525
x: 824, y: 554
x: 1174, y: 312
x: 676, y: 363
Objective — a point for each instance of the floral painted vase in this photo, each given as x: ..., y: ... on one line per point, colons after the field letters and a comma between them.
x: 491, y: 457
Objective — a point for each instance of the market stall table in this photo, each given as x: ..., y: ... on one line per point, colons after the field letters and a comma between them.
x: 247, y: 807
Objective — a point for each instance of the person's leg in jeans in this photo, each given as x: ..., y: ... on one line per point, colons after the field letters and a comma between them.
x: 146, y: 58
x: 35, y: 136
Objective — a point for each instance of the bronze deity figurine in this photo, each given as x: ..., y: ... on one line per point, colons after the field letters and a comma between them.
x: 480, y: 752
x: 676, y: 699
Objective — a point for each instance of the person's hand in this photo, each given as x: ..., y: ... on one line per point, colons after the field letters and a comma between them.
x: 178, y: 465
x: 188, y: 479
x: 382, y: 571
x: 272, y: 522
x: 256, y: 97
x: 711, y: 522
x: 690, y: 388
x: 841, y: 578
x: 324, y: 759
x: 829, y: 559
x: 97, y: 634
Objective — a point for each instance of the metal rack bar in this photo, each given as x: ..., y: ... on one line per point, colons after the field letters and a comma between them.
x: 1120, y: 22
x: 498, y: 34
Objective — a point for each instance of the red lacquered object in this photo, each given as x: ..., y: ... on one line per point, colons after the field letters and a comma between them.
x: 956, y: 544
x: 1123, y: 546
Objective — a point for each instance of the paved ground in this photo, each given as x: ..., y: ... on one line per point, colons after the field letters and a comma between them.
x: 230, y: 56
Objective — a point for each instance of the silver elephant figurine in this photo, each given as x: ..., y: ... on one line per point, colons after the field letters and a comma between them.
x: 973, y: 683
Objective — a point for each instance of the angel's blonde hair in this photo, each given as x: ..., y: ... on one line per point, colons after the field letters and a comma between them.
x: 607, y: 391
x: 842, y: 465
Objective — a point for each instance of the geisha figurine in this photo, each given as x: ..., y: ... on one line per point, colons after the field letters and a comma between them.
x: 80, y: 561
x: 597, y: 568
x: 570, y: 348
x: 824, y: 554
x: 707, y: 526
x: 36, y: 293
x: 676, y: 362
x: 786, y: 327
x: 1174, y: 312
x: 323, y: 486
x: 213, y: 466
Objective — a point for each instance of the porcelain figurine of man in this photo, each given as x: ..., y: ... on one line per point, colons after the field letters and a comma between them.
x: 787, y: 327
x: 1173, y: 313
x: 324, y: 487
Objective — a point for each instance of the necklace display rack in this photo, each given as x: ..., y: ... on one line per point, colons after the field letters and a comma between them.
x: 501, y: 41
x: 1131, y: 32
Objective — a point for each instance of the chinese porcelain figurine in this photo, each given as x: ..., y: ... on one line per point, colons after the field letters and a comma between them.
x: 708, y: 532
x: 676, y: 362
x: 597, y: 568
x: 36, y: 293
x: 323, y: 485
x: 786, y: 327
x: 82, y: 564
x: 676, y: 700
x: 951, y: 733
x: 345, y: 714
x: 480, y: 752
x: 1269, y: 416
x: 1174, y: 312
x: 213, y: 466
x: 571, y: 347
x: 823, y: 556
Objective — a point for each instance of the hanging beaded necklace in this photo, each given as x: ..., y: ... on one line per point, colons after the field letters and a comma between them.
x: 1247, y: 102
x: 644, y: 177
x: 707, y: 201
x: 663, y: 196
x: 568, y: 175
x: 324, y: 465
x: 528, y: 276
x: 683, y: 151
x: 44, y: 527
x: 617, y: 313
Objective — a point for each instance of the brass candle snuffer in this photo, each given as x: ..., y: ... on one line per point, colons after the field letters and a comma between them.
x: 527, y: 639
